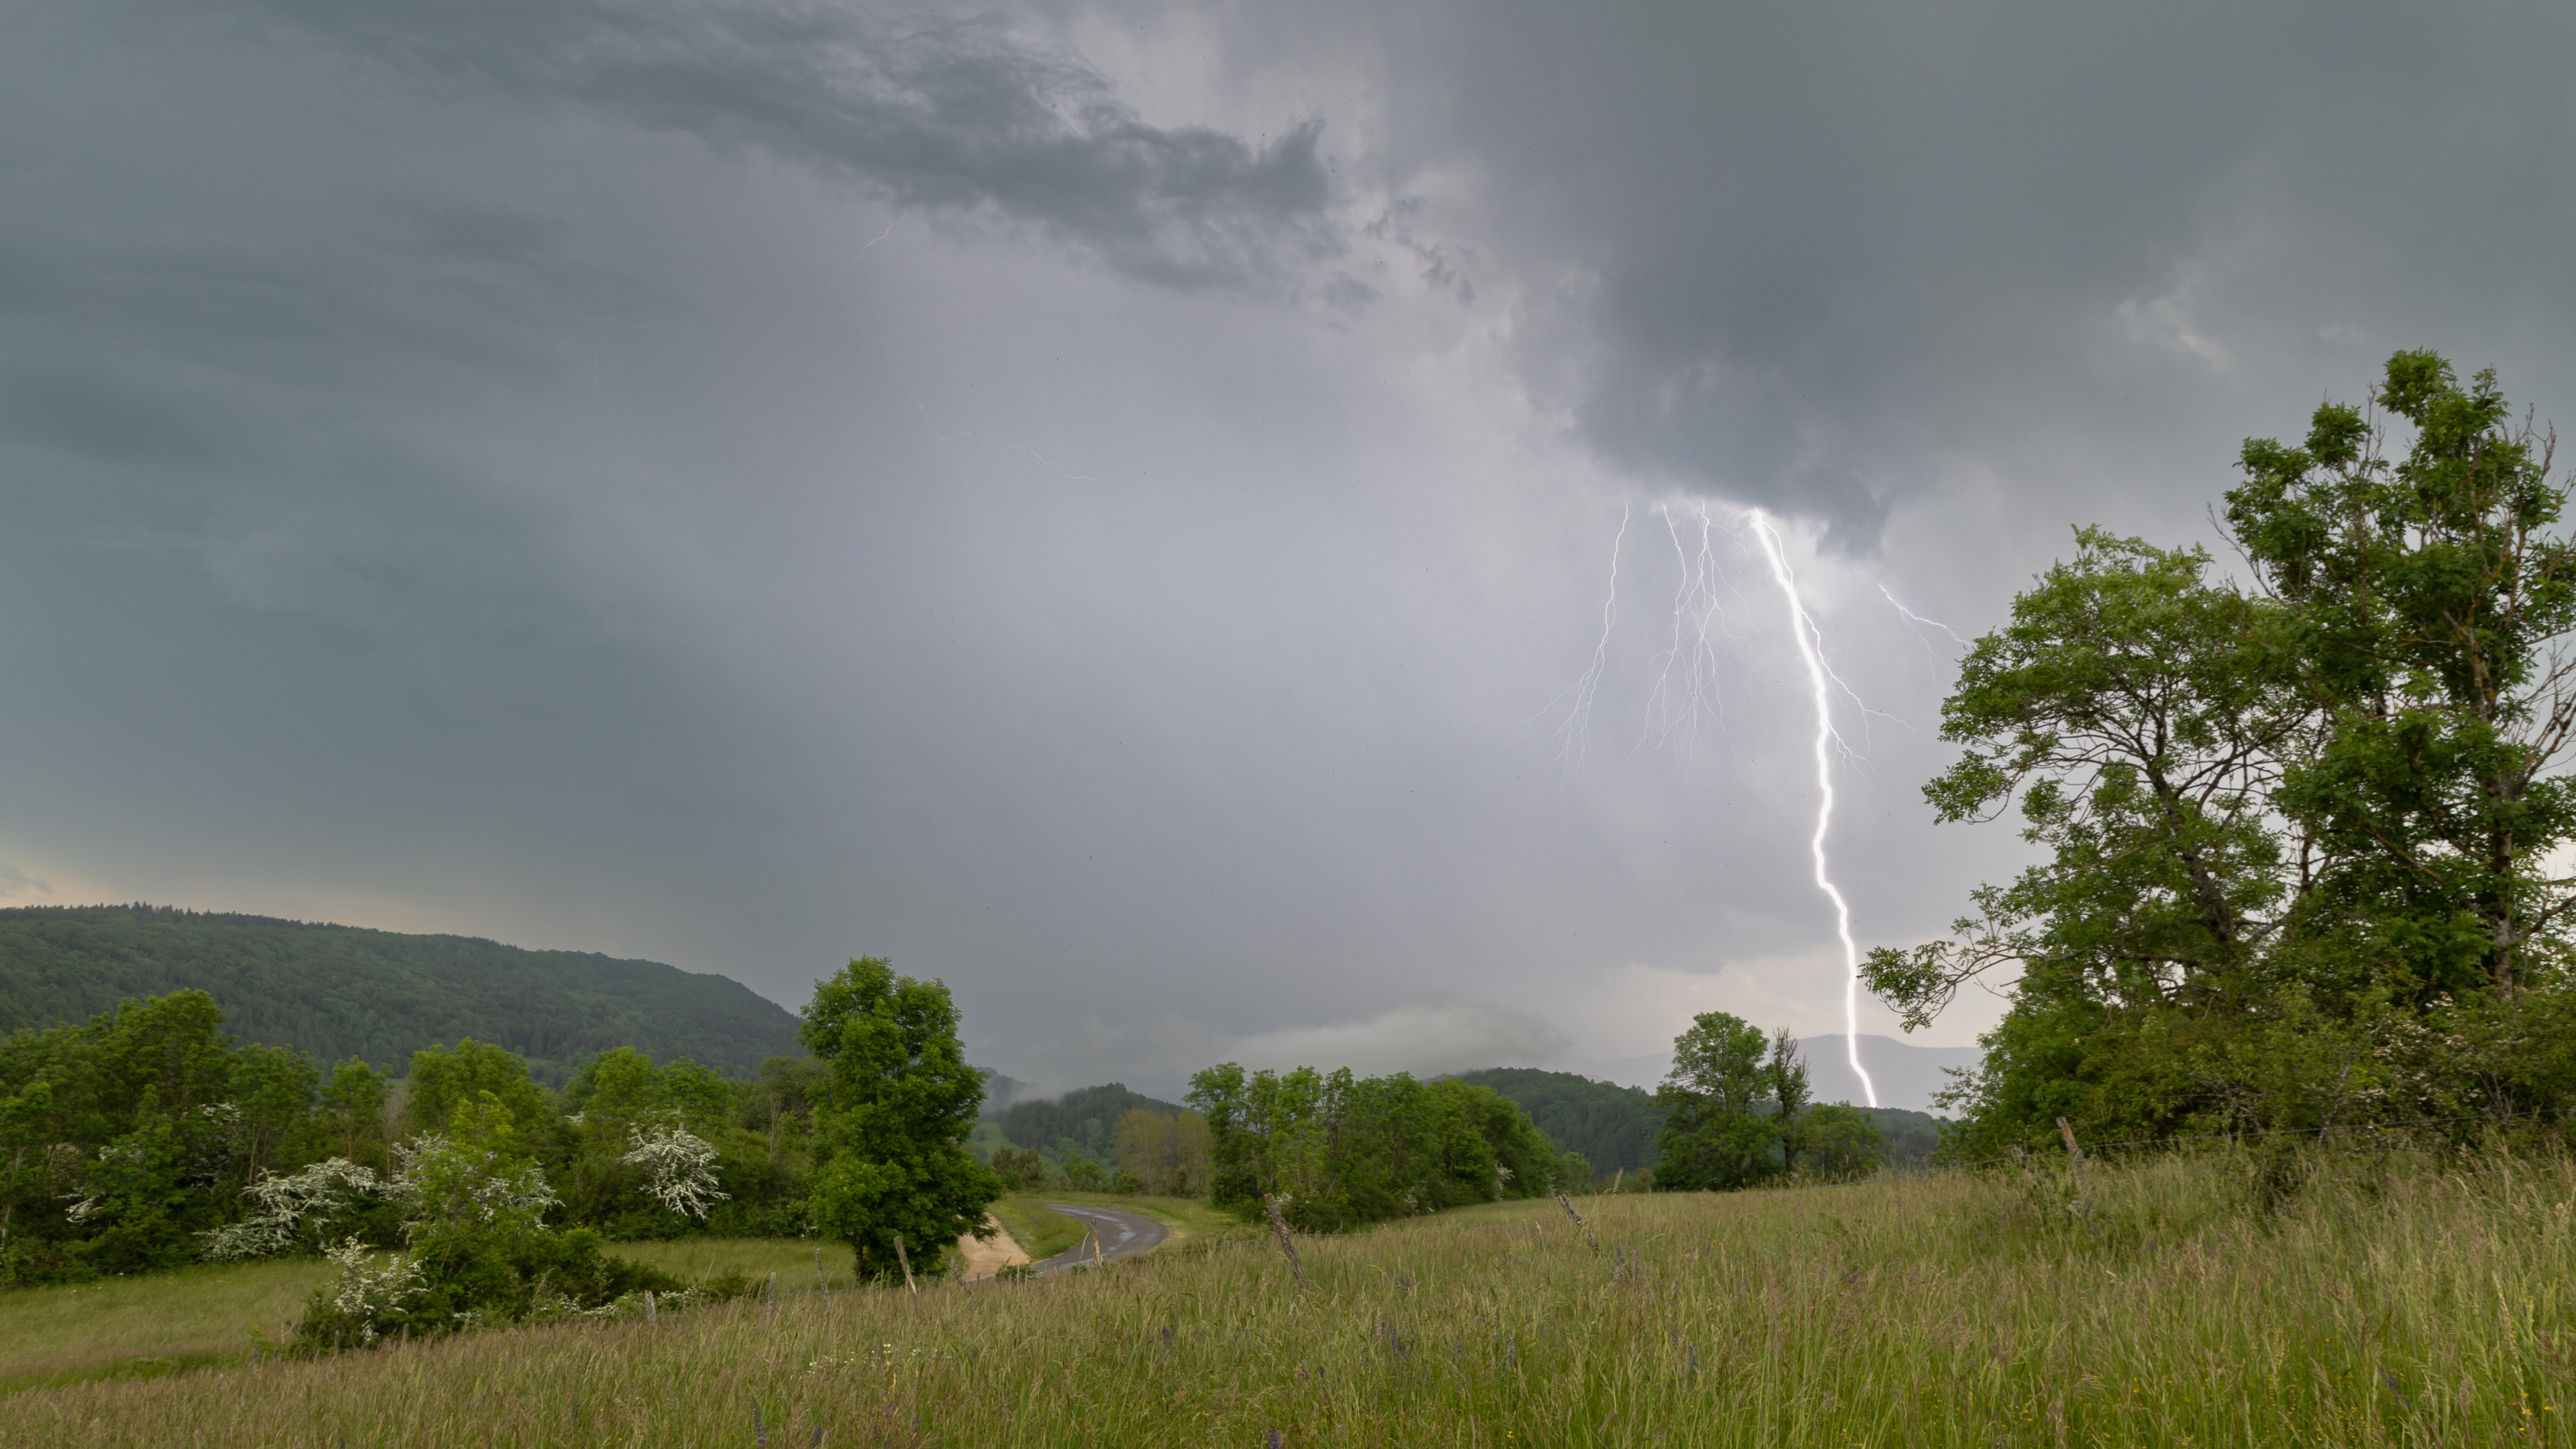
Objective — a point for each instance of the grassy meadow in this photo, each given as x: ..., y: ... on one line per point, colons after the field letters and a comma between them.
x: 151, y: 1325
x: 2390, y: 1299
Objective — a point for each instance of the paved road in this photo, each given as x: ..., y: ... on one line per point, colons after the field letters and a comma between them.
x: 1121, y: 1235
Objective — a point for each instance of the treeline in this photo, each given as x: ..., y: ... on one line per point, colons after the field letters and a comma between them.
x: 2302, y: 834
x: 126, y: 1142
x: 1337, y: 1151
x: 147, y: 1138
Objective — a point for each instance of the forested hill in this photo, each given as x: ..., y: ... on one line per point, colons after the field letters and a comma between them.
x: 1613, y: 1126
x: 1084, y: 1120
x: 343, y: 991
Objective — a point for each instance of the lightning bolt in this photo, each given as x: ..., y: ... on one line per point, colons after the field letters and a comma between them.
x: 1678, y: 705
x: 1803, y: 629
x: 1913, y: 618
x: 880, y: 236
x: 1574, y: 737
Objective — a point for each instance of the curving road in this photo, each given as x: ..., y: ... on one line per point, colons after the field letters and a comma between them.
x: 1121, y: 1235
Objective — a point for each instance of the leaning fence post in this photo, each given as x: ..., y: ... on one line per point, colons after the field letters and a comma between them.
x: 1287, y: 1245
x: 651, y: 1320
x: 906, y: 1260
x: 1567, y: 1203
x: 821, y: 1280
x: 2075, y: 1154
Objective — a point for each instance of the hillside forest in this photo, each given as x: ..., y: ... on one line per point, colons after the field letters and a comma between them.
x: 335, y: 992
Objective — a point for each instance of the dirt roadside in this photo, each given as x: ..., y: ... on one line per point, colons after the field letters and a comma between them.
x: 983, y: 1259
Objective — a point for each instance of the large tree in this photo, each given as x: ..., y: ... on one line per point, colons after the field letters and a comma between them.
x: 2286, y: 824
x: 898, y: 1105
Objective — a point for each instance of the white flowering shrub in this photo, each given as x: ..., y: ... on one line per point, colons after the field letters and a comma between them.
x: 679, y: 1168
x: 453, y: 1184
x: 368, y: 1295
x: 283, y: 1209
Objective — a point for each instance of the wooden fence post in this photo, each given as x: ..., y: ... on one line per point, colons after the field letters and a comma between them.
x: 1567, y: 1203
x: 2075, y: 1154
x: 1279, y: 1225
x: 905, y: 1259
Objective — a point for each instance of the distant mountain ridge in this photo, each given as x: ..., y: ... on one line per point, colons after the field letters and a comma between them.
x: 343, y: 991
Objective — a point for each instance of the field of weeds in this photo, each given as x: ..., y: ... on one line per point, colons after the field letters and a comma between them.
x: 2348, y: 1297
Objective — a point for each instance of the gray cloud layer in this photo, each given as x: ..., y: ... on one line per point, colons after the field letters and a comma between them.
x: 521, y: 469
x: 956, y: 116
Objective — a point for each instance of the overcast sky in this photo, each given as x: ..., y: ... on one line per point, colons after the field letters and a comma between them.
x: 1114, y: 505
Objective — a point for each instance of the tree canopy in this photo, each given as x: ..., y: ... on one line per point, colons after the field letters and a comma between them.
x: 2296, y: 829
x: 898, y: 1106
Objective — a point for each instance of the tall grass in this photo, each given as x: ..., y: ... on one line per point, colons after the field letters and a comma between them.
x: 703, y: 1260
x: 2388, y: 1300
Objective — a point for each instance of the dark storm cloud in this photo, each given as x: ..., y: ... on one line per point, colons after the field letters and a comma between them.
x: 1808, y: 256
x: 958, y: 116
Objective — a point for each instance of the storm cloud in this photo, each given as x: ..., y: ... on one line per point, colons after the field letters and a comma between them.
x: 1215, y: 530
x: 956, y: 116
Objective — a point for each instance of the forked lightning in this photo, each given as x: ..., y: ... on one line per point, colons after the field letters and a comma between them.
x: 1803, y: 629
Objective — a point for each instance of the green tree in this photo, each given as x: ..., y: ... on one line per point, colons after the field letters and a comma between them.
x: 1840, y: 1142
x: 2133, y: 709
x: 1613, y: 1126
x: 1020, y: 1169
x: 2422, y: 606
x: 353, y: 1110
x: 2297, y: 834
x: 2138, y: 715
x: 1732, y: 1106
x: 1166, y: 1152
x: 898, y: 1108
x: 271, y: 1093
x: 171, y: 1047
x: 442, y: 1079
